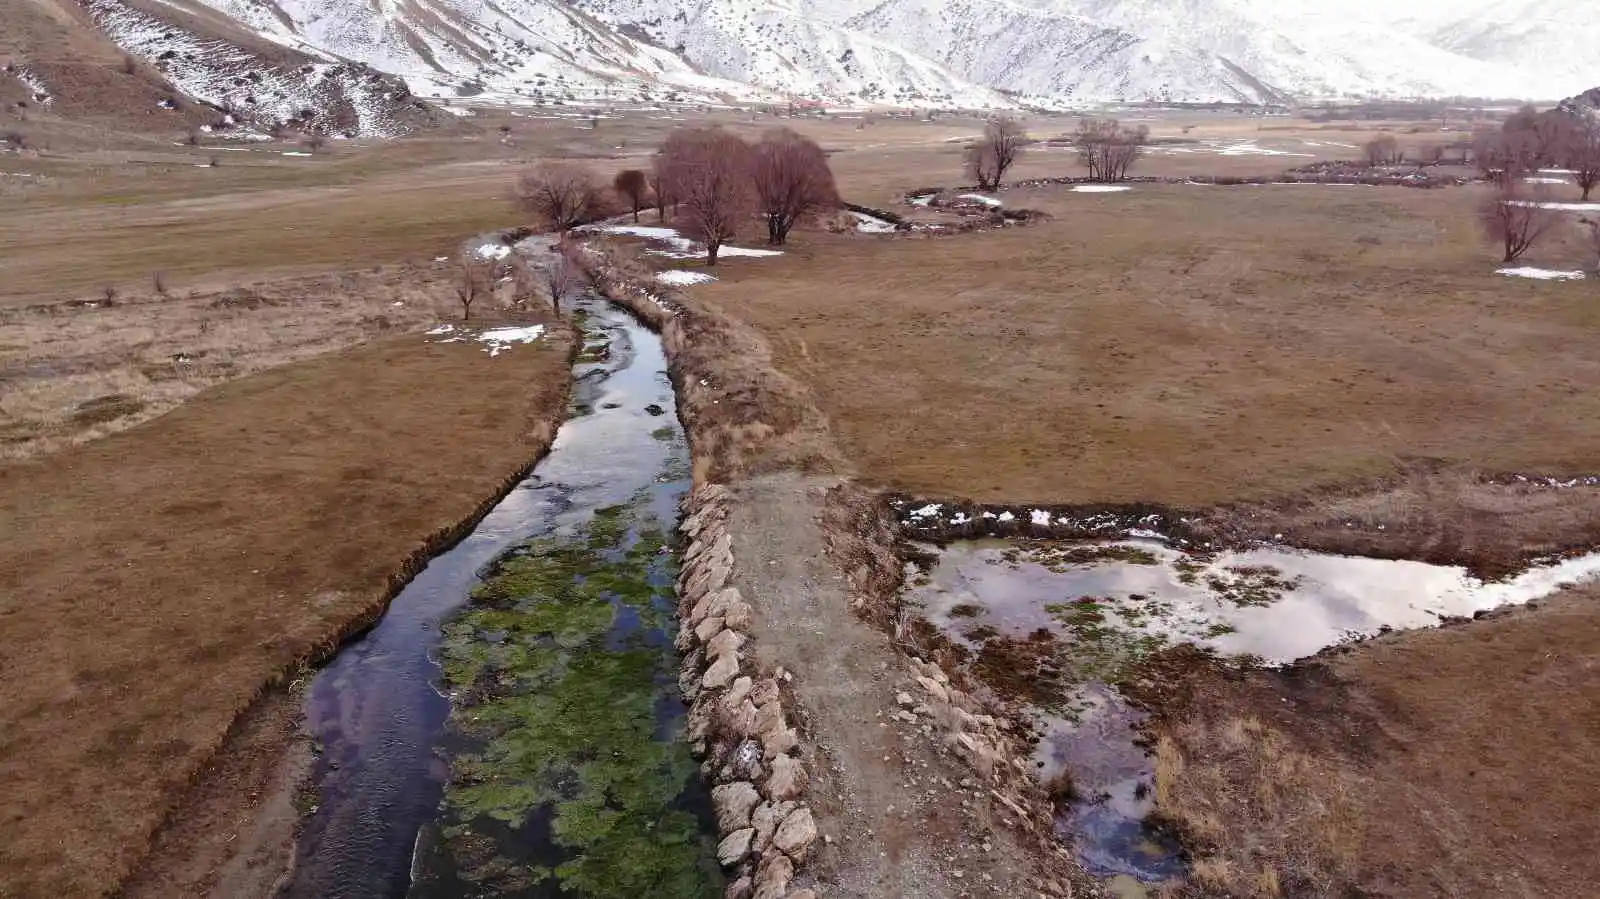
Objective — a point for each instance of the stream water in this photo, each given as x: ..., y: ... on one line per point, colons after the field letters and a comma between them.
x: 1059, y: 624
x: 569, y: 580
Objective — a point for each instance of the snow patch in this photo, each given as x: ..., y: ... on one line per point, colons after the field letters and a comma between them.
x: 679, y: 277
x: 492, y: 251
x: 1100, y: 188
x: 980, y: 198
x: 1542, y: 274
x: 868, y: 224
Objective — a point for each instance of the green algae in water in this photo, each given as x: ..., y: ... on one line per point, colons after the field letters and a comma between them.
x: 560, y: 670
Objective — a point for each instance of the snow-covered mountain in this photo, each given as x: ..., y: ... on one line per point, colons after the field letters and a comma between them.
x: 974, y: 53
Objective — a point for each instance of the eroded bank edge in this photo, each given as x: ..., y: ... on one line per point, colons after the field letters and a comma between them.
x: 171, y: 842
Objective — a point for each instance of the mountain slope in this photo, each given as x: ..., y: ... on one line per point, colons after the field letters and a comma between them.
x: 1555, y: 38
x: 355, y: 64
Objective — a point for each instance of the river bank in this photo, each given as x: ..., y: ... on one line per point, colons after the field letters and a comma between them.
x: 234, y: 538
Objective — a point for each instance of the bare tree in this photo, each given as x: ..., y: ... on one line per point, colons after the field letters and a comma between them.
x: 998, y: 149
x: 1583, y: 152
x: 1550, y: 136
x: 1108, y: 148
x: 1589, y: 230
x: 659, y: 188
x: 631, y: 185
x: 1383, y: 150
x: 474, y: 279
x: 563, y: 274
x: 1516, y: 218
x: 708, y: 171
x: 557, y: 195
x: 793, y: 180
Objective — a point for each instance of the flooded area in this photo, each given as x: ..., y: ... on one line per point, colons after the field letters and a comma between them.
x: 1059, y: 624
x: 569, y: 581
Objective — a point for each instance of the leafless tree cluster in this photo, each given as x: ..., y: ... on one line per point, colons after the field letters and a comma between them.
x: 1529, y: 140
x: 1108, y: 148
x: 1383, y: 150
x: 792, y: 180
x: 715, y: 181
x: 557, y: 195
x: 709, y: 174
x: 996, y: 152
x: 560, y: 276
x: 1583, y: 153
x: 632, y: 186
x: 1516, y: 217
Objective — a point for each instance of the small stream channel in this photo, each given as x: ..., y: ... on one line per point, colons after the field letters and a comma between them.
x: 546, y: 748
x: 1058, y: 624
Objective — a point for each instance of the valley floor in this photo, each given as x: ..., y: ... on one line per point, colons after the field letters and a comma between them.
x: 1339, y: 363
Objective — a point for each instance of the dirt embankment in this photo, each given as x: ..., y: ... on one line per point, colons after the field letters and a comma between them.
x: 914, y: 788
x: 165, y: 581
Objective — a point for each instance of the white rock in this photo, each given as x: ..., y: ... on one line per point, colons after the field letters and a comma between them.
x: 773, y: 876
x: 787, y: 780
x: 733, y: 804
x: 721, y: 672
x: 735, y: 847
x: 796, y: 834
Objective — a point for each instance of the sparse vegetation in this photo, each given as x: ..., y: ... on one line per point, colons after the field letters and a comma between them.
x: 1108, y: 148
x: 996, y: 152
x: 1383, y: 150
x: 559, y: 196
x: 1516, y: 217
x: 474, y: 279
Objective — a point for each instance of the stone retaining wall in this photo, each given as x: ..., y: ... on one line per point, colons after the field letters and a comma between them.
x: 741, y: 722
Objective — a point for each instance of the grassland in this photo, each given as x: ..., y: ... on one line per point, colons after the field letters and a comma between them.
x: 1185, y: 345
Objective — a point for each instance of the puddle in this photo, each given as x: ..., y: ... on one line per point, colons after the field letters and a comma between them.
x: 1274, y: 604
x: 377, y: 711
x: 1112, y: 789
x: 1058, y: 624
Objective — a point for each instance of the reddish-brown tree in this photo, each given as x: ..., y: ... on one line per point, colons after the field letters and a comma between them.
x: 659, y: 188
x: 1516, y: 217
x: 631, y: 185
x: 989, y: 159
x: 1107, y: 148
x: 709, y: 174
x: 792, y: 180
x: 557, y: 195
x: 1583, y: 152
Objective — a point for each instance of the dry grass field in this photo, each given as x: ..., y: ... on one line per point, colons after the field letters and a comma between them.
x: 1184, y: 344
x: 1448, y: 763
